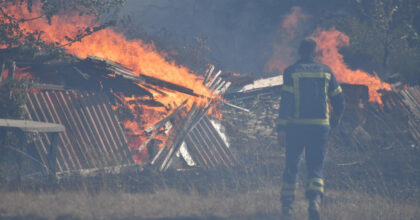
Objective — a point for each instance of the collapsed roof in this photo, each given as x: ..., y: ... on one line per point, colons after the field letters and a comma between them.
x: 79, y: 94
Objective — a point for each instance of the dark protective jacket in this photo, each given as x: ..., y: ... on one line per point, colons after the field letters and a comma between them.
x: 307, y: 88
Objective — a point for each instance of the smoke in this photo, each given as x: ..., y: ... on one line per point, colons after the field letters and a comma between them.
x: 240, y: 34
x: 289, y: 35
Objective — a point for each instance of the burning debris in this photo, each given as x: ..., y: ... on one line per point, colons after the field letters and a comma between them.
x: 94, y: 139
x: 106, y: 81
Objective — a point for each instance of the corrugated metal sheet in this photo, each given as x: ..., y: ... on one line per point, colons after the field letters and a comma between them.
x: 412, y: 99
x: 93, y: 136
x: 207, y: 148
x: 406, y: 103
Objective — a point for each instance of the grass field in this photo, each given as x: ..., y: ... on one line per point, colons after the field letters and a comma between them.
x: 168, y: 203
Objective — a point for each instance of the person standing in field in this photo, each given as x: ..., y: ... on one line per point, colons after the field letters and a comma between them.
x: 308, y: 90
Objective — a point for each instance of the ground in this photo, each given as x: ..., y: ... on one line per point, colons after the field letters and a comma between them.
x: 261, y: 202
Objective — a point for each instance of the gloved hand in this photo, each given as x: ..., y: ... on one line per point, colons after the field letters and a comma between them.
x: 334, y: 121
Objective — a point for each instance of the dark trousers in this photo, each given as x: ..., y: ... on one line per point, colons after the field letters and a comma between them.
x: 314, y: 140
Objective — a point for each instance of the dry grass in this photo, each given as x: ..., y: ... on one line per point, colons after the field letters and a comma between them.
x: 261, y: 203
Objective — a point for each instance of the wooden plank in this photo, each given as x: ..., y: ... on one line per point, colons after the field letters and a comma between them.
x: 3, y: 65
x: 180, y: 130
x: 235, y: 107
x: 32, y: 126
x: 143, y: 145
x: 164, y: 120
x: 215, y: 83
x: 208, y: 74
x: 223, y: 89
x: 140, y: 78
x: 215, y: 78
x: 46, y: 86
x: 192, y: 119
x: 52, y: 157
x: 97, y: 171
x: 172, y: 86
x: 219, y: 86
x: 12, y: 70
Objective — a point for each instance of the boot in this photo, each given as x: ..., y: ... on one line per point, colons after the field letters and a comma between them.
x: 314, y: 208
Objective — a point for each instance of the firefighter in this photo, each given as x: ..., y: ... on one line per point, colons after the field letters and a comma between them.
x: 308, y: 90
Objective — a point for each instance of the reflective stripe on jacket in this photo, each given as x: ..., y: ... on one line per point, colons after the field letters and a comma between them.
x: 308, y: 87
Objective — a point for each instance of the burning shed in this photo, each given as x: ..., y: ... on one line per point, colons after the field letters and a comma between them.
x: 108, y: 92
x: 98, y: 101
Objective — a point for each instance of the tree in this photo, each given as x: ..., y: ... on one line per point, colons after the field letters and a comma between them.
x: 384, y: 32
x: 12, y: 35
x: 16, y: 43
x: 392, y: 20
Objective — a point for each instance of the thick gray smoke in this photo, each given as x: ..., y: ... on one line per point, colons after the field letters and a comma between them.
x: 242, y: 35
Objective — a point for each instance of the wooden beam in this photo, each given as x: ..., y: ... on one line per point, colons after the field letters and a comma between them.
x: 208, y: 74
x: 219, y: 86
x: 167, y: 118
x: 52, y: 157
x: 215, y: 78
x: 46, y: 86
x: 32, y: 126
x: 215, y: 83
x: 184, y: 128
x: 2, y: 67
x: 12, y: 70
x: 236, y: 107
x: 192, y: 119
x: 143, y: 145
x: 223, y: 89
x: 168, y: 85
x: 123, y: 71
x: 92, y: 172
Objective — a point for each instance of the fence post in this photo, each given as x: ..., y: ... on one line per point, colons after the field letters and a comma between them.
x: 52, y: 156
x: 19, y: 159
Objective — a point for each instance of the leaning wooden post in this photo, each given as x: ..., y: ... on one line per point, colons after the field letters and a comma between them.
x: 12, y: 70
x: 52, y: 156
x: 19, y: 159
x: 2, y: 67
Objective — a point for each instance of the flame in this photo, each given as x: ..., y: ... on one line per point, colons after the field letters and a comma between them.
x: 284, y: 53
x: 142, y: 58
x: 329, y: 42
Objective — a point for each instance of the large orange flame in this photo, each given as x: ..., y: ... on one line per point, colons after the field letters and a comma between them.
x: 142, y: 58
x: 329, y: 42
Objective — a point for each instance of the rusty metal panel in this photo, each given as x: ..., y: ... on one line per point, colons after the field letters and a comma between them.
x: 93, y: 136
x: 207, y: 148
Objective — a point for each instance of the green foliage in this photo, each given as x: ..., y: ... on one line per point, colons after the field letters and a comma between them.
x: 384, y: 31
x: 12, y: 35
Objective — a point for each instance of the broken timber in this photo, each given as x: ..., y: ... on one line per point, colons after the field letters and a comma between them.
x: 141, y: 78
x: 198, y: 135
x: 169, y: 117
x: 43, y: 127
